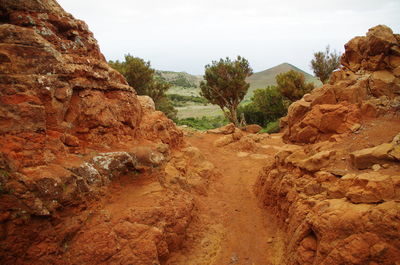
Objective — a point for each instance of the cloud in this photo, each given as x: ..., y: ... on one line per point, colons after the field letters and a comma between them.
x: 185, y: 35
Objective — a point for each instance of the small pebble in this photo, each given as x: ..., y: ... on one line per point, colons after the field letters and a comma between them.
x: 234, y: 259
x: 376, y: 167
x: 355, y: 127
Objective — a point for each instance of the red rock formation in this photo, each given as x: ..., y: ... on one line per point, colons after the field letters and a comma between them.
x: 338, y: 200
x: 368, y: 85
x: 330, y: 213
x: 57, y: 87
x: 70, y: 125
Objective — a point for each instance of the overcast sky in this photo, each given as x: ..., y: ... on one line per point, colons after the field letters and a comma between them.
x: 185, y: 35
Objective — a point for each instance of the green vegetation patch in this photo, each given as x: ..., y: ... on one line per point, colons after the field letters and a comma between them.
x: 182, y: 100
x: 179, y: 79
x: 203, y: 123
x: 267, y: 105
x: 272, y: 127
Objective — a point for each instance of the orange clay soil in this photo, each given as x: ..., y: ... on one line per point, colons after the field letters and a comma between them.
x: 229, y: 227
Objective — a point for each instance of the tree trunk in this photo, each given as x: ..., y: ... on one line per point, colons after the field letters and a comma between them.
x: 233, y: 115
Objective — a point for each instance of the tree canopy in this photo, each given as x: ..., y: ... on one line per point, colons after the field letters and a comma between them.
x: 324, y: 63
x: 270, y: 102
x: 292, y: 85
x: 139, y: 75
x: 225, y: 84
x: 267, y: 105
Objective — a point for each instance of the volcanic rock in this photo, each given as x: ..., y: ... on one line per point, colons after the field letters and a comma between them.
x: 365, y: 158
x: 367, y: 85
x: 70, y: 129
x: 252, y: 128
x: 332, y: 212
x: 227, y: 129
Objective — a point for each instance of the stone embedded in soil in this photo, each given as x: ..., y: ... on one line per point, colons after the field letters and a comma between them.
x: 227, y: 129
x: 224, y: 140
x: 252, y: 128
x: 259, y: 156
x: 242, y: 154
x: 376, y: 167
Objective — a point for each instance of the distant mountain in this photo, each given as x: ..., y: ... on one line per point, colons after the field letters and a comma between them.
x: 179, y: 79
x: 267, y: 77
x: 187, y: 84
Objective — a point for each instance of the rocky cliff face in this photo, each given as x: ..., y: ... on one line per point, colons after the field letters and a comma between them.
x: 367, y: 86
x: 57, y: 87
x: 69, y: 126
x: 337, y: 194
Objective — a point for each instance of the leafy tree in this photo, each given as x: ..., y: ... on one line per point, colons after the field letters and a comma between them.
x: 267, y: 106
x: 156, y: 90
x: 225, y: 84
x: 252, y: 114
x: 324, y: 63
x: 272, y: 127
x: 137, y: 73
x: 165, y: 105
x: 270, y: 102
x: 141, y: 77
x: 292, y: 85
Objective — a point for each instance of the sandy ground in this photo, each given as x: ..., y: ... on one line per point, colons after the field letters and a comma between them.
x: 230, y: 227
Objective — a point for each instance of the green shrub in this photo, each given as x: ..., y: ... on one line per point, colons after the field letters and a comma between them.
x: 272, y: 127
x: 165, y: 105
x: 252, y: 114
x: 292, y: 85
x: 324, y: 63
x: 267, y: 105
x: 180, y: 100
x: 270, y: 102
x: 204, y: 123
x: 145, y: 81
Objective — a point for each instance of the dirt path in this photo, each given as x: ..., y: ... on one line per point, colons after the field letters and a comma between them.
x: 231, y: 226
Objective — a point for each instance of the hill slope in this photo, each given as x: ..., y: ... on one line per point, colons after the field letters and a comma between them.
x: 267, y: 77
x: 179, y: 79
x: 187, y: 84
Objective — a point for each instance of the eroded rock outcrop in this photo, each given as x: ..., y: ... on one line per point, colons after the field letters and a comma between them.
x: 380, y: 154
x: 70, y: 126
x: 368, y: 85
x: 337, y: 199
x: 243, y: 139
x: 331, y: 213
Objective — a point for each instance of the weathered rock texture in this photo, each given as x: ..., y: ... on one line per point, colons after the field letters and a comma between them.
x: 368, y: 85
x: 69, y: 126
x: 244, y: 139
x: 338, y: 200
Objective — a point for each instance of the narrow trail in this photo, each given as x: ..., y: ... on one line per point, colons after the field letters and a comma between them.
x: 232, y: 228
